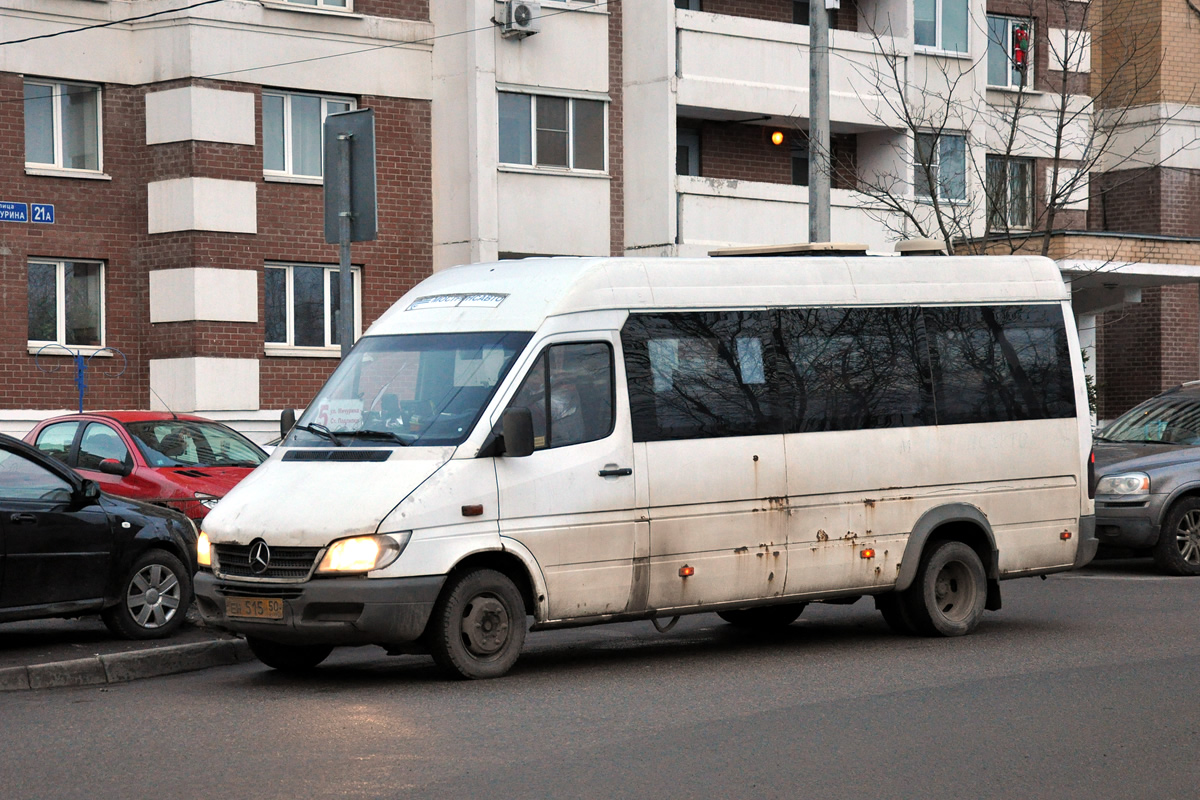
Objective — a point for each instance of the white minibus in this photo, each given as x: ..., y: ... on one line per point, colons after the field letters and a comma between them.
x: 553, y: 442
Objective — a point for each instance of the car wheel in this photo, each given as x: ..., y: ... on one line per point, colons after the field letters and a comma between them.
x: 478, y: 625
x: 763, y: 618
x: 1178, y: 549
x: 288, y: 657
x: 949, y: 593
x: 154, y: 598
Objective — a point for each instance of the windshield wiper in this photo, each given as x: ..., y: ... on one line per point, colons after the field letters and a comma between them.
x: 383, y: 436
x: 323, y: 432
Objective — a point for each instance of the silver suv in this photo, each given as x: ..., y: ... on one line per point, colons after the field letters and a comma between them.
x: 1148, y: 480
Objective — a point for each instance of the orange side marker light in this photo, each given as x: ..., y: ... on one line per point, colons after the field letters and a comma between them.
x: 686, y: 572
x: 867, y: 552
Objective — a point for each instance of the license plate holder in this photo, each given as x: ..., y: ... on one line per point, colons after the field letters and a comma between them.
x: 268, y: 608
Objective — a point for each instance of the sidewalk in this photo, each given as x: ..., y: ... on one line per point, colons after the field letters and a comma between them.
x: 48, y: 653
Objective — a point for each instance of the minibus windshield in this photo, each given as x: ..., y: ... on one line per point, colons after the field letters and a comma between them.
x: 412, y: 389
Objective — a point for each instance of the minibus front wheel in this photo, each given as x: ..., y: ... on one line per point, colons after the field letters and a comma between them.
x: 288, y: 657
x: 478, y: 625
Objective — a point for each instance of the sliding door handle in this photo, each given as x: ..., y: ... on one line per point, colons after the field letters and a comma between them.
x: 615, y: 471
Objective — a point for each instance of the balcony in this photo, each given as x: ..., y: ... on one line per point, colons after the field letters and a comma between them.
x: 729, y: 66
x: 728, y: 213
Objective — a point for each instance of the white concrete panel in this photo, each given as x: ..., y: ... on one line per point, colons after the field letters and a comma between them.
x: 546, y: 214
x: 570, y: 52
x: 1077, y: 200
x: 192, y: 384
x: 1070, y: 49
x: 204, y: 293
x: 1037, y: 122
x: 202, y: 204
x: 758, y: 67
x: 1163, y: 135
x: 231, y: 40
x: 715, y: 213
x: 201, y: 114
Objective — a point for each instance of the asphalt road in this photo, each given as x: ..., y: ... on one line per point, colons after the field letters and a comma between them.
x: 1086, y: 685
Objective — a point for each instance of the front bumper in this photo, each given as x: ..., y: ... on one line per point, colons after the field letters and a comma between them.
x: 1129, y: 524
x: 333, y: 611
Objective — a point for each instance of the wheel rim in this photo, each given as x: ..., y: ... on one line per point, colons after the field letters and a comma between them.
x: 153, y: 597
x: 484, y: 625
x: 1187, y: 537
x: 954, y: 591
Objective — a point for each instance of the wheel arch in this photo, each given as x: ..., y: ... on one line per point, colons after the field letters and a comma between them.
x: 507, y: 564
x: 1186, y: 491
x: 960, y: 522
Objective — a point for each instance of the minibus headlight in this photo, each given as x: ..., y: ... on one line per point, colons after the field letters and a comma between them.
x: 203, y: 550
x: 1131, y: 484
x: 363, y: 553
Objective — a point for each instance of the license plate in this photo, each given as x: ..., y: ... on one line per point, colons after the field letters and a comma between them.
x: 254, y: 607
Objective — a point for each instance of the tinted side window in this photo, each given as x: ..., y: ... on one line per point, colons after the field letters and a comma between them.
x: 703, y: 375
x: 22, y: 479
x: 856, y: 368
x: 997, y: 363
x: 100, y: 442
x: 56, y: 440
x: 579, y: 406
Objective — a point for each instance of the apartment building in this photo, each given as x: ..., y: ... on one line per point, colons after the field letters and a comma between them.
x: 176, y: 147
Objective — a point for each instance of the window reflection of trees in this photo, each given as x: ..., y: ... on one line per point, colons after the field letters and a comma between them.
x: 740, y: 373
x: 1001, y: 363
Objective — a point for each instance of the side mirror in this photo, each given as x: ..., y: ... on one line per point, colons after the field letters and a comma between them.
x: 287, y: 421
x: 518, y: 432
x: 111, y: 466
x: 88, y: 493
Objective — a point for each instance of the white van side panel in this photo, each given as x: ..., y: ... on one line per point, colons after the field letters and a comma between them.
x: 707, y: 511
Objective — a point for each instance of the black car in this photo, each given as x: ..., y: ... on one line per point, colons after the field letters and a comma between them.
x: 67, y: 550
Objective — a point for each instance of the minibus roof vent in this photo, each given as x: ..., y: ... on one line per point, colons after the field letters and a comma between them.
x: 922, y: 247
x: 803, y: 249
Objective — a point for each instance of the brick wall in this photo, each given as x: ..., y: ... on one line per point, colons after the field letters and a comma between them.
x: 396, y: 9
x: 616, y: 132
x: 731, y: 151
x: 1158, y: 200
x: 845, y: 19
x: 1144, y: 348
x: 106, y: 220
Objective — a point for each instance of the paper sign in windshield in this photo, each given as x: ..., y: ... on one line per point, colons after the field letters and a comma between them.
x: 476, y: 300
x: 340, y: 415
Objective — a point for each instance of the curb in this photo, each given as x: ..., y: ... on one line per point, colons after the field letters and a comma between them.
x: 122, y: 667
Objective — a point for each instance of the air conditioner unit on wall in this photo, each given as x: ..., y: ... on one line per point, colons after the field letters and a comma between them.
x: 521, y: 19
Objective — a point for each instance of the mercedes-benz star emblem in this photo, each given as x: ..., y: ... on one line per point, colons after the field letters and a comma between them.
x: 260, y: 557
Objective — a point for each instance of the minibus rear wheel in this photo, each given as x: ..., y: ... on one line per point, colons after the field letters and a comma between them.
x: 288, y: 657
x: 949, y: 593
x: 478, y: 625
x: 763, y: 618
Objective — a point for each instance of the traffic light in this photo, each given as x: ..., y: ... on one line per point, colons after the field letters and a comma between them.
x: 1020, y: 47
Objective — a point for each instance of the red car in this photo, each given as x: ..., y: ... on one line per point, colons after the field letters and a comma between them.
x: 176, y: 460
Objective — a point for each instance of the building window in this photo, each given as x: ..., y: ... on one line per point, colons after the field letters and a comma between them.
x: 800, y: 10
x: 303, y: 305
x: 941, y: 24
x: 800, y: 164
x: 340, y: 5
x: 688, y: 5
x: 1009, y: 193
x: 292, y: 132
x: 945, y: 156
x: 66, y: 303
x: 62, y: 125
x: 1001, y: 68
x: 687, y: 151
x: 545, y: 131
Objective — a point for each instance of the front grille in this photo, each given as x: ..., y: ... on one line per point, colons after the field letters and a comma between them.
x: 257, y: 590
x: 286, y: 564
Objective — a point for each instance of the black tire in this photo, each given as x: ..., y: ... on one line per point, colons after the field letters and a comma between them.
x: 153, y: 600
x: 891, y: 605
x: 1177, y: 551
x: 763, y: 618
x: 478, y: 625
x: 947, y: 597
x: 288, y: 657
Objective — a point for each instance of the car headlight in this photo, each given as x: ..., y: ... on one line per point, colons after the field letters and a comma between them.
x: 1131, y: 484
x: 363, y: 553
x: 203, y: 550
x: 209, y: 501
